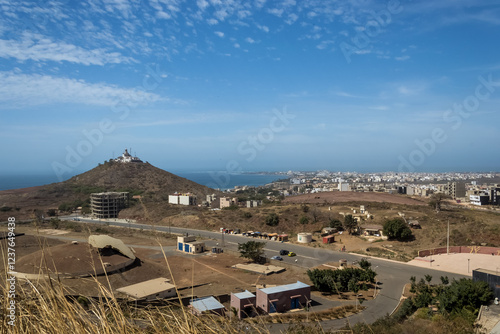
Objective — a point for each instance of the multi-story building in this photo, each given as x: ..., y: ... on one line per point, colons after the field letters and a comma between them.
x: 226, y: 202
x: 108, y: 204
x: 456, y: 189
x: 182, y: 199
x: 479, y: 199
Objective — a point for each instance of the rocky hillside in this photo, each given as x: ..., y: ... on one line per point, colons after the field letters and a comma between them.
x: 154, y: 184
x: 137, y: 178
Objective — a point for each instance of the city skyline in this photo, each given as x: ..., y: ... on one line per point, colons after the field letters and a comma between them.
x: 250, y: 85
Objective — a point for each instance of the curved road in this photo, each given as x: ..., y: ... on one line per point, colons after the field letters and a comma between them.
x: 391, y: 275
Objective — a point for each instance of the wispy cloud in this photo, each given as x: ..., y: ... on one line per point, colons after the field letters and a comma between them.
x: 36, y: 47
x: 345, y: 94
x: 402, y: 58
x: 21, y: 90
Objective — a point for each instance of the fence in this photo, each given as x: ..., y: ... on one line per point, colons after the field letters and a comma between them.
x: 461, y: 249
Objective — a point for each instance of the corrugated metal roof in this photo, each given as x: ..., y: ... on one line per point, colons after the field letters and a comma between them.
x: 245, y: 294
x: 103, y: 241
x: 206, y: 304
x: 283, y: 288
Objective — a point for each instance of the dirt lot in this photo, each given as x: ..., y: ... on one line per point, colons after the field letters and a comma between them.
x: 349, y: 196
x: 200, y: 275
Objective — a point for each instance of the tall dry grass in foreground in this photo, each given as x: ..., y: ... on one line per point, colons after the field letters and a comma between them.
x: 45, y: 309
x: 42, y: 306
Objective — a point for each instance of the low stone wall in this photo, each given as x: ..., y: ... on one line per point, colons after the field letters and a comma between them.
x: 461, y: 249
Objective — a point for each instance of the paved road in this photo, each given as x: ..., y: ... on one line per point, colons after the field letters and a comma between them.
x: 392, y: 275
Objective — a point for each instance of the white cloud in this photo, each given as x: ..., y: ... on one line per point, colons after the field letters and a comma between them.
x: 402, y: 58
x: 413, y: 90
x: 219, y: 33
x: 236, y: 45
x: 202, y: 4
x: 381, y: 108
x: 263, y: 28
x: 163, y: 15
x: 291, y: 18
x: 19, y: 90
x: 312, y: 15
x: 250, y: 40
x: 243, y: 14
x: 275, y: 11
x: 345, y: 94
x: 212, y: 22
x: 324, y: 44
x: 260, y: 3
x: 38, y: 48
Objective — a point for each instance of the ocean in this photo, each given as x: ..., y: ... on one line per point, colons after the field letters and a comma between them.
x: 213, y: 179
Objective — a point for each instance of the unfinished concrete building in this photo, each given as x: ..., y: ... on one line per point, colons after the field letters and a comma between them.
x: 108, y: 204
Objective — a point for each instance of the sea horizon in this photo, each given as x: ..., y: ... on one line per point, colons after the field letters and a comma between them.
x: 214, y: 179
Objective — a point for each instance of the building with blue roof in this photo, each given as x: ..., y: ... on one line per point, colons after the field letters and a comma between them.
x: 206, y: 305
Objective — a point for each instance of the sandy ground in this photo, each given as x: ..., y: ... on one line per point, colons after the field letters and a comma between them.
x: 462, y: 263
x: 349, y: 196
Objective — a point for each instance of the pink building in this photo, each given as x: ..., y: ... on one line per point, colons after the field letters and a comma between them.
x: 284, y: 297
x: 244, y: 303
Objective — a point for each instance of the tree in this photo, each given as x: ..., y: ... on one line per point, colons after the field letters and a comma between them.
x: 364, y: 264
x: 52, y: 212
x: 304, y: 220
x: 272, y: 219
x: 335, y: 223
x: 437, y: 200
x: 397, y: 229
x: 350, y: 224
x: 464, y: 293
x: 253, y: 250
x: 315, y: 213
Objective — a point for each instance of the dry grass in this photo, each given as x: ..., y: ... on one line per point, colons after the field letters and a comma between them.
x: 44, y: 306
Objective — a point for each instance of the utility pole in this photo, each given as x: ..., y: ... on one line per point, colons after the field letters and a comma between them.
x: 448, y: 240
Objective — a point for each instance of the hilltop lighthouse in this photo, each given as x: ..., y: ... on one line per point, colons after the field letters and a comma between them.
x: 127, y: 157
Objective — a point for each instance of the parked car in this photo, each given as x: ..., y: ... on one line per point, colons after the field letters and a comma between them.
x: 277, y: 257
x: 291, y: 254
x: 283, y: 252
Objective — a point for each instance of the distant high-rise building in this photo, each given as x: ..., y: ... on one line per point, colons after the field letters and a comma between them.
x: 456, y: 189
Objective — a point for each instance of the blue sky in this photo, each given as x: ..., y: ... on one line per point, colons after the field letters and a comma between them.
x: 252, y: 85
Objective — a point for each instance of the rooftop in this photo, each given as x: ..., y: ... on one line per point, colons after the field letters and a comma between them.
x: 488, y: 271
x: 286, y: 287
x: 147, y: 288
x: 245, y: 294
x: 206, y: 304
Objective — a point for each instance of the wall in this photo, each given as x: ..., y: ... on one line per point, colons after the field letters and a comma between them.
x: 461, y: 249
x: 283, y: 299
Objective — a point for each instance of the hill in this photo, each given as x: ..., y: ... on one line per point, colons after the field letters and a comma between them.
x: 138, y: 178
